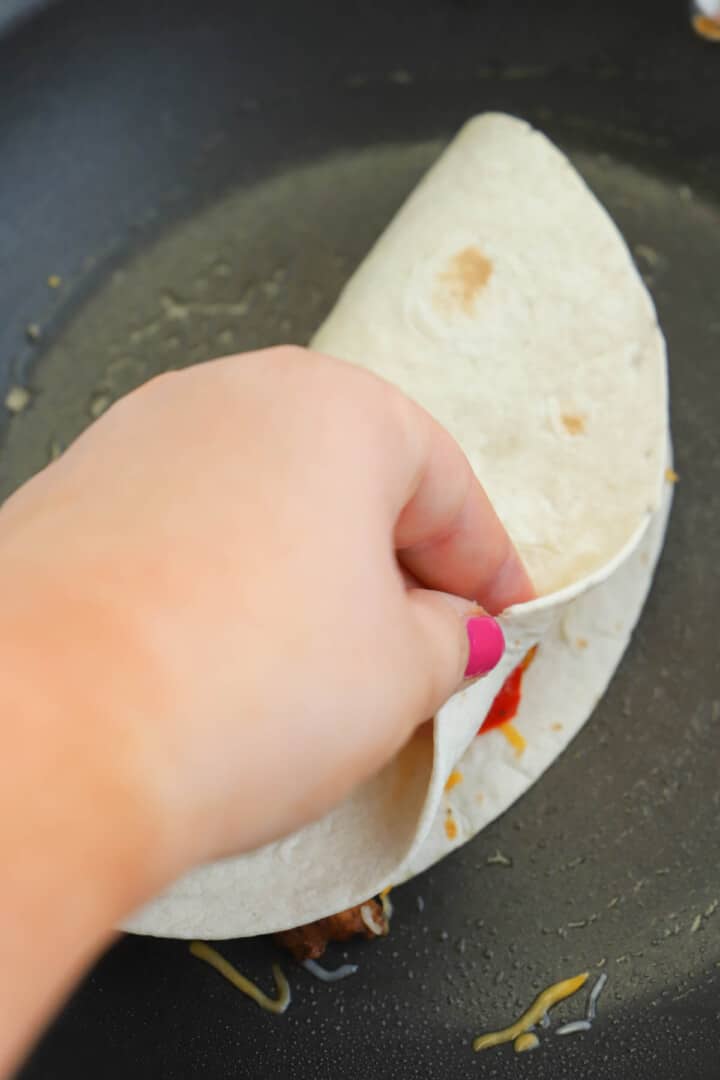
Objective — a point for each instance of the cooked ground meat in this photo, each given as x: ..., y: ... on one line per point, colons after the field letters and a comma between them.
x: 309, y: 942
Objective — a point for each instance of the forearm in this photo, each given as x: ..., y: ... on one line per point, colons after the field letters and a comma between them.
x: 192, y: 595
x: 78, y: 835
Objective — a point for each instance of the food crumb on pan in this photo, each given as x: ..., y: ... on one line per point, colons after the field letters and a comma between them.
x: 54, y: 281
x: 649, y: 254
x: 32, y: 331
x: 99, y: 403
x: 17, y: 399
x: 498, y: 859
x: 55, y: 449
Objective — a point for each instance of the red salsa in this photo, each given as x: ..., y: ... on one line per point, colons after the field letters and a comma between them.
x: 507, y: 699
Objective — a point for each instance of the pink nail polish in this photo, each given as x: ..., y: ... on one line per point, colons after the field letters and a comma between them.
x: 487, y: 644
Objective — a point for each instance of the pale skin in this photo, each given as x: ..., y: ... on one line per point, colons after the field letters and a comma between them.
x: 239, y: 567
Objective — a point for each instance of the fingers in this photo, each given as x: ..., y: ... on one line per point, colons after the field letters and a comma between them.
x: 447, y: 534
x: 454, y: 642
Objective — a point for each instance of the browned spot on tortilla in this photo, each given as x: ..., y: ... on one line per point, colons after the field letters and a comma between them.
x: 467, y: 274
x: 573, y: 424
x: 671, y: 476
x: 706, y: 27
x: 451, y: 829
x: 556, y: 727
x: 581, y: 643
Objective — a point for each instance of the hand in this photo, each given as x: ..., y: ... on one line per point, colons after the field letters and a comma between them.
x: 217, y: 618
x: 225, y: 548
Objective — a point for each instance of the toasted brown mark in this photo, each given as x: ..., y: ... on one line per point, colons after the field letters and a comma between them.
x: 466, y: 276
x: 573, y: 424
x: 706, y: 27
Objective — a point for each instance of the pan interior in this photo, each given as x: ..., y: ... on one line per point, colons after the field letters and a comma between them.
x: 605, y: 862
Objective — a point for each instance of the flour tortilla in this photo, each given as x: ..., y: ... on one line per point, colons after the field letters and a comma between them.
x: 504, y: 300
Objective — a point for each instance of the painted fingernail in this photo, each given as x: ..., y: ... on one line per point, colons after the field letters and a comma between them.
x: 487, y: 644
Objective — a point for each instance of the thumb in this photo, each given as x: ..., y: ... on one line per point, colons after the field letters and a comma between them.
x: 457, y: 640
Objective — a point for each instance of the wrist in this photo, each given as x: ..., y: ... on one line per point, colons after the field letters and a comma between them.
x: 75, y: 692
x: 81, y: 828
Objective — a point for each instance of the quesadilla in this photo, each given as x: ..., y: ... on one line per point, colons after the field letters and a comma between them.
x: 504, y: 300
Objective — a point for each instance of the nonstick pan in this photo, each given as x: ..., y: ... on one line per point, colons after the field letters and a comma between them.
x: 181, y: 180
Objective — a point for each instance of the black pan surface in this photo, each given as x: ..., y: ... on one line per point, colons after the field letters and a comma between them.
x: 203, y: 178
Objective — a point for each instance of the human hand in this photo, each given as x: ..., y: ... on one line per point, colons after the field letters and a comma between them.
x: 227, y: 552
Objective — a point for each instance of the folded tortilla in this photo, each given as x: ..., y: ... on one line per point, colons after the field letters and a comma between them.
x: 504, y: 300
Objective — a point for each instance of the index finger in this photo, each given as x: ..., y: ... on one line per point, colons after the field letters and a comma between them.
x: 447, y: 534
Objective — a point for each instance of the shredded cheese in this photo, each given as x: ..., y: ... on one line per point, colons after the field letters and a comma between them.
x: 594, y: 995
x: 455, y: 778
x: 574, y: 1027
x: 386, y: 902
x: 368, y: 918
x: 513, y: 736
x: 529, y: 657
x: 211, y: 956
x: 327, y: 975
x: 706, y: 27
x: 542, y: 1003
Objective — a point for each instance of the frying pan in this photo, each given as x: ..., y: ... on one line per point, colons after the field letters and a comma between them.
x: 202, y: 177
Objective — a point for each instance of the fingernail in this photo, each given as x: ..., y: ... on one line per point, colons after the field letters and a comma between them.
x: 487, y: 644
